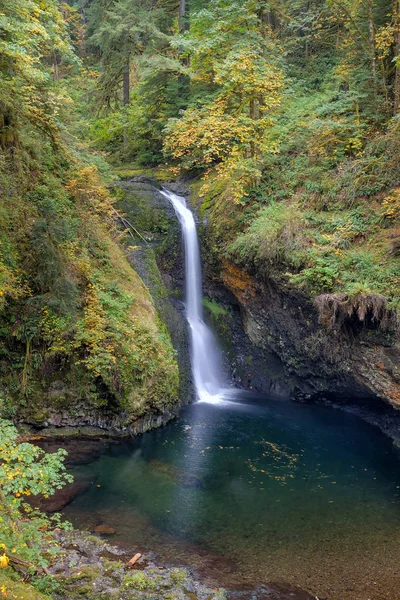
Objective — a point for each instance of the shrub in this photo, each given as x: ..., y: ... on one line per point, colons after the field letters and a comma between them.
x: 391, y: 205
x: 27, y: 470
x: 274, y: 236
x: 322, y: 275
x: 140, y: 581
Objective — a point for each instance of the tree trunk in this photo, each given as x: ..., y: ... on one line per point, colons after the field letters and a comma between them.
x: 24, y: 377
x: 396, y: 104
x: 82, y: 10
x: 126, y: 82
x: 184, y: 25
x: 56, y: 73
x: 254, y: 114
x: 126, y: 93
x: 371, y: 40
x: 253, y: 109
x: 182, y: 16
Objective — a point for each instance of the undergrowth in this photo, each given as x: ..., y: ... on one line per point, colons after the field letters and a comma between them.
x: 326, y: 214
x: 71, y: 307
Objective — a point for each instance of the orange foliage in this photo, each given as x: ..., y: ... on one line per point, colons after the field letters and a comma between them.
x: 238, y: 281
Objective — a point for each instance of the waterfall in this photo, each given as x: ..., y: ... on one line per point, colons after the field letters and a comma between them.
x: 205, y: 355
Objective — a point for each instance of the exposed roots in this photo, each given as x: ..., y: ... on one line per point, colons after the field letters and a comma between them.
x: 341, y: 311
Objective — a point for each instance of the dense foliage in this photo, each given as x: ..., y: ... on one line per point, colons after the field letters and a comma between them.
x: 26, y: 542
x: 290, y: 117
x: 77, y: 325
x: 25, y: 471
x: 288, y: 112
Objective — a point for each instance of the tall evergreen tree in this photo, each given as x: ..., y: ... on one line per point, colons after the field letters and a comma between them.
x: 234, y: 59
x: 32, y: 32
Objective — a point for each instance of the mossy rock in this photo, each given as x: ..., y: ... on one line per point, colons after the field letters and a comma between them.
x: 80, y: 591
x: 128, y: 171
x: 40, y: 416
x: 178, y: 576
x: 87, y: 573
x: 18, y: 590
x: 140, y: 581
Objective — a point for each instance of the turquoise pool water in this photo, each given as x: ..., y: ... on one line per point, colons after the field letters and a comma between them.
x: 303, y: 494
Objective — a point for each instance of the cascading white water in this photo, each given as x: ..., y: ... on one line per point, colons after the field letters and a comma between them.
x: 205, y: 355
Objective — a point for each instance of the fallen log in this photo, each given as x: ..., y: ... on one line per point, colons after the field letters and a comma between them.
x: 134, y: 560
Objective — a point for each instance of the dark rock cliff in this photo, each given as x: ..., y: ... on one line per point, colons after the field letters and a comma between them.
x: 353, y: 362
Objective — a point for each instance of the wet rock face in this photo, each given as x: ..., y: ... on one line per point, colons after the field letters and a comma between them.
x: 317, y: 360
x: 78, y: 421
x: 249, y: 366
x: 156, y: 255
x: 154, y: 219
x: 160, y: 263
x: 158, y: 258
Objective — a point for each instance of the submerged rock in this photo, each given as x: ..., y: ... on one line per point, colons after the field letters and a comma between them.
x: 60, y: 498
x: 105, y: 530
x: 170, y: 471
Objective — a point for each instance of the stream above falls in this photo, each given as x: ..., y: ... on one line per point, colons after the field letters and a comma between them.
x: 302, y: 494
